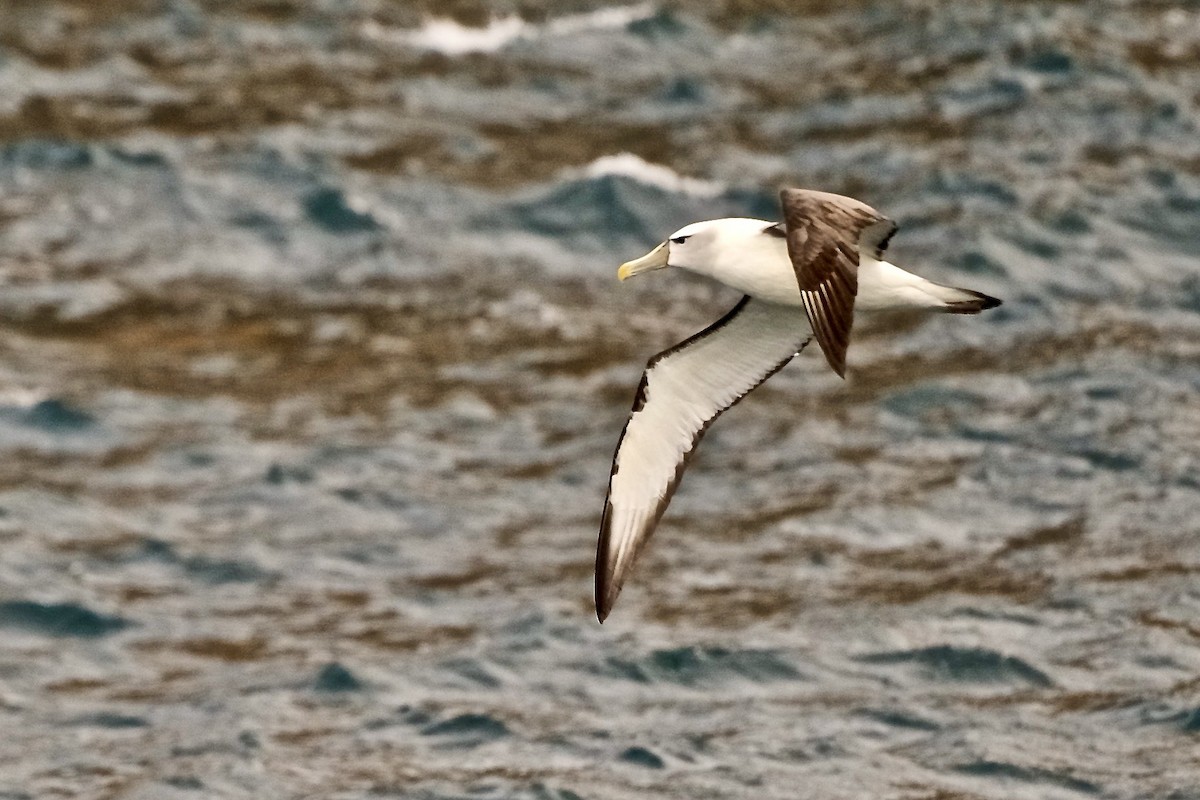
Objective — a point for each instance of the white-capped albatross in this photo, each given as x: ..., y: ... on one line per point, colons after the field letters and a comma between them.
x: 826, y: 258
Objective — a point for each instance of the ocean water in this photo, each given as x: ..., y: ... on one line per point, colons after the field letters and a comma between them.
x: 312, y: 360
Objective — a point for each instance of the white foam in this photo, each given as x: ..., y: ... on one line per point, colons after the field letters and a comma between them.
x: 452, y: 38
x: 449, y: 37
x: 604, y: 19
x: 643, y: 171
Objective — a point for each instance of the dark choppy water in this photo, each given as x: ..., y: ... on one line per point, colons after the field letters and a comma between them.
x: 312, y: 363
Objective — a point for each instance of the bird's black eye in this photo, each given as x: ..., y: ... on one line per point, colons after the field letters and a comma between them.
x: 679, y: 239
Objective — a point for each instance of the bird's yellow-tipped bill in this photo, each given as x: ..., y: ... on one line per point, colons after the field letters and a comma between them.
x: 655, y: 259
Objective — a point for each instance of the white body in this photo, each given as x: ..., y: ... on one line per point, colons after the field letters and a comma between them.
x: 737, y: 253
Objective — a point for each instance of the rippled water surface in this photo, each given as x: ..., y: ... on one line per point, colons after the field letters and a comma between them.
x: 312, y: 362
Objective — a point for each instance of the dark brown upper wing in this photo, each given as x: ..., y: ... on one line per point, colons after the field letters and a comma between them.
x: 824, y: 234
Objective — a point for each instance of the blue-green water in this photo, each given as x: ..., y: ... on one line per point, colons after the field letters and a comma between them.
x: 313, y: 360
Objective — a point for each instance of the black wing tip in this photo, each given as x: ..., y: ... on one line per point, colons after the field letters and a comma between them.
x: 838, y: 367
x: 835, y: 360
x: 606, y: 597
x: 607, y: 584
x: 603, y: 601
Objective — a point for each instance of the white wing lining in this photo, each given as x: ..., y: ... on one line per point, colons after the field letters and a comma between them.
x: 682, y: 391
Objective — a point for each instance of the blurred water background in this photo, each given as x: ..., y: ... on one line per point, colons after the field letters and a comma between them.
x: 312, y: 360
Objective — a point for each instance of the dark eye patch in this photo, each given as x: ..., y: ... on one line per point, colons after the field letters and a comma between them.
x: 679, y: 239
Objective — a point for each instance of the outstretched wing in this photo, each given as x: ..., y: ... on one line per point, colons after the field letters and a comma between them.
x: 682, y: 391
x: 824, y: 234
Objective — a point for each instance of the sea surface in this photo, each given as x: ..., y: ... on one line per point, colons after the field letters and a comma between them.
x: 313, y: 359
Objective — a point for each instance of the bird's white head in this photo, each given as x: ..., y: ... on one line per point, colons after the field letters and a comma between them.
x: 700, y: 247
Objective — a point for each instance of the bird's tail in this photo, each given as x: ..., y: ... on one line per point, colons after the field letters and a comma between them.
x: 882, y: 286
x: 962, y: 301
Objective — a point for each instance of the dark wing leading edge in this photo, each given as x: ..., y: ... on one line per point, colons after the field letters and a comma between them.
x: 682, y: 391
x: 824, y: 234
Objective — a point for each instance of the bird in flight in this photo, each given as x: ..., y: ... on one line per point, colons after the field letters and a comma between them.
x: 804, y: 278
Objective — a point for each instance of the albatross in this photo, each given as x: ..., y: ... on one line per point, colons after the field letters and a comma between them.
x: 804, y: 278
